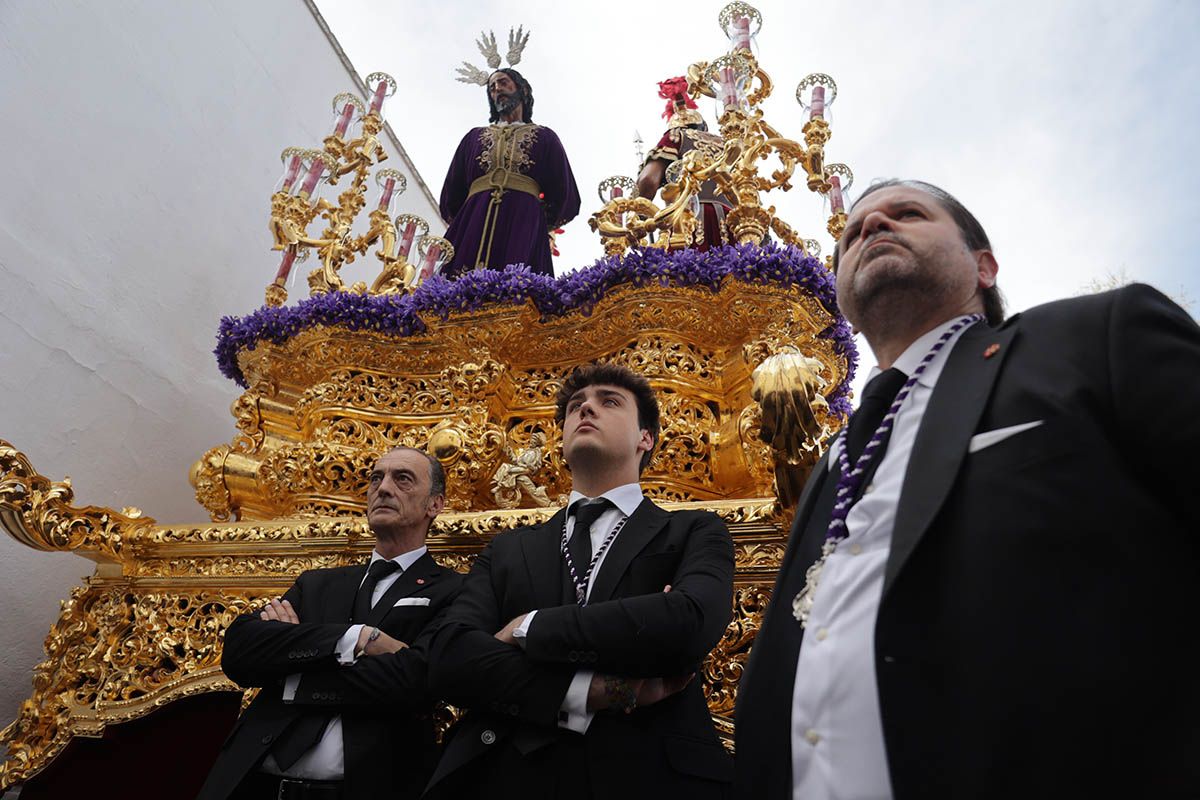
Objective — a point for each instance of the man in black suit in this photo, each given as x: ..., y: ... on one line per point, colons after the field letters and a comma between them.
x: 344, y: 710
x: 1006, y: 601
x: 574, y: 644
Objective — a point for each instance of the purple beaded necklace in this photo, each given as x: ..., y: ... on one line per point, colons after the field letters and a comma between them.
x: 850, y: 478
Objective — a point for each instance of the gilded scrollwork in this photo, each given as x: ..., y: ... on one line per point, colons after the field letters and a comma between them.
x: 248, y: 418
x: 683, y: 461
x: 208, y: 479
x: 37, y: 512
x: 113, y: 655
x: 723, y: 668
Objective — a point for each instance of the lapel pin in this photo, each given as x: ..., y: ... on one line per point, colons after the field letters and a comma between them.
x: 420, y: 581
x: 991, y: 350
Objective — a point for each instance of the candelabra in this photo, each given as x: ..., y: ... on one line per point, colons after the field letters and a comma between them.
x: 295, y: 204
x: 739, y: 85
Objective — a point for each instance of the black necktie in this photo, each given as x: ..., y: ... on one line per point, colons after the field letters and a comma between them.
x: 304, y: 733
x: 380, y: 568
x: 878, y: 396
x: 586, y: 513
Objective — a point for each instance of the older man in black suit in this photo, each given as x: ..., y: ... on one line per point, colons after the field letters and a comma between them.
x: 990, y: 586
x: 574, y: 643
x: 344, y: 710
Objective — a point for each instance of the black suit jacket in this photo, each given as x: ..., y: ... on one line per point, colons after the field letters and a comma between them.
x: 1035, y: 636
x: 383, y: 700
x: 509, y: 744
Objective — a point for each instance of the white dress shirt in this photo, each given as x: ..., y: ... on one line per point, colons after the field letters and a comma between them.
x: 326, y: 761
x: 574, y: 714
x: 837, y: 730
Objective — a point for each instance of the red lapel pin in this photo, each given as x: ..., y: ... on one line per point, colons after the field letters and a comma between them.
x: 420, y: 581
x: 991, y: 350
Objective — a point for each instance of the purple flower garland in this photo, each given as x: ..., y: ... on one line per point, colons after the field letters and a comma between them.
x: 554, y: 297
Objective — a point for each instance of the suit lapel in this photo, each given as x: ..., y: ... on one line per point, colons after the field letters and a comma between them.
x: 338, y: 604
x: 424, y: 569
x: 642, y: 526
x: 805, y: 551
x: 949, y: 422
x: 543, y: 559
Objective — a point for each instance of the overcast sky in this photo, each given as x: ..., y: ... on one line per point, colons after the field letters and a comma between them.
x: 1066, y: 126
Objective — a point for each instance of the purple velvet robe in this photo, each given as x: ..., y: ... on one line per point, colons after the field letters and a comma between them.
x: 519, y: 233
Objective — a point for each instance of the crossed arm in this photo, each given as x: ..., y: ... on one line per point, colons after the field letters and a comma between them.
x: 265, y: 648
x: 655, y: 639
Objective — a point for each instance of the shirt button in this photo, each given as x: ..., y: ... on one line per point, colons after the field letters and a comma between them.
x: 870, y: 488
x: 821, y: 634
x: 488, y: 737
x: 855, y: 549
x: 812, y: 737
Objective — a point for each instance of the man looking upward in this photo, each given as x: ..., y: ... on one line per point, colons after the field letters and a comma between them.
x: 343, y: 710
x: 991, y: 580
x: 508, y: 186
x: 574, y: 643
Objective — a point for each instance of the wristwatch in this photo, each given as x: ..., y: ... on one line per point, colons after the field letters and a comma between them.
x: 370, y: 638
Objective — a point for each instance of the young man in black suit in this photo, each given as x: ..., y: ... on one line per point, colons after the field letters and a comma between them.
x: 990, y: 586
x: 344, y: 710
x: 575, y: 643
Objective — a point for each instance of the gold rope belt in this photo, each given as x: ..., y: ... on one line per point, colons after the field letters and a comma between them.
x: 496, y: 182
x: 503, y: 179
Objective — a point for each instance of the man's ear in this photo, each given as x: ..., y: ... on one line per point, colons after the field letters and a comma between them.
x: 646, y: 442
x: 436, y: 504
x: 986, y: 267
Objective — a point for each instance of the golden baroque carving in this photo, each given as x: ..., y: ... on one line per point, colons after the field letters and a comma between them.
x: 113, y: 655
x: 207, y: 477
x: 37, y: 512
x: 514, y: 478
x: 248, y: 419
x: 723, y: 668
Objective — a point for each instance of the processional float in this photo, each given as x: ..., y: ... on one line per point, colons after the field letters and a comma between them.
x: 744, y: 345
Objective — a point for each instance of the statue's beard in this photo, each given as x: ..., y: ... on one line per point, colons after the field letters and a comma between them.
x: 506, y: 103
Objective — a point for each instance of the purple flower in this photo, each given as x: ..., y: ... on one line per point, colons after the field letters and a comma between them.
x: 554, y: 297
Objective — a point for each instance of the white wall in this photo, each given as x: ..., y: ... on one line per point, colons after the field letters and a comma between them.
x: 140, y: 142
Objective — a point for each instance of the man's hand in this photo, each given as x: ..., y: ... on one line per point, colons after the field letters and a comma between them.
x: 280, y: 612
x: 382, y: 643
x: 652, y: 690
x: 505, y: 634
x: 647, y: 691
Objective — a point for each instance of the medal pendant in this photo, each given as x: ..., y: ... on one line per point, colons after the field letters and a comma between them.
x: 803, y: 602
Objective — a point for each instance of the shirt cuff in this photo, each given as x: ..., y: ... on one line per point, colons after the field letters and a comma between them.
x: 344, y: 649
x: 290, y: 686
x: 522, y: 630
x: 573, y: 715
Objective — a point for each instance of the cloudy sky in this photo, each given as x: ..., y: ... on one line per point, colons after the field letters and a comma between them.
x: 1066, y: 126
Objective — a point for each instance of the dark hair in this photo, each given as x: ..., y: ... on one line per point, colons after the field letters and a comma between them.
x: 972, y: 232
x: 625, y: 378
x: 437, y: 473
x: 522, y: 86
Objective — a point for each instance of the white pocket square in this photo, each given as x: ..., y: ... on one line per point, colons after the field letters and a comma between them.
x: 981, y: 440
x: 411, y: 601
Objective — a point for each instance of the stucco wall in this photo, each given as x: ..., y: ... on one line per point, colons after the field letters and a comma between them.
x: 141, y: 143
